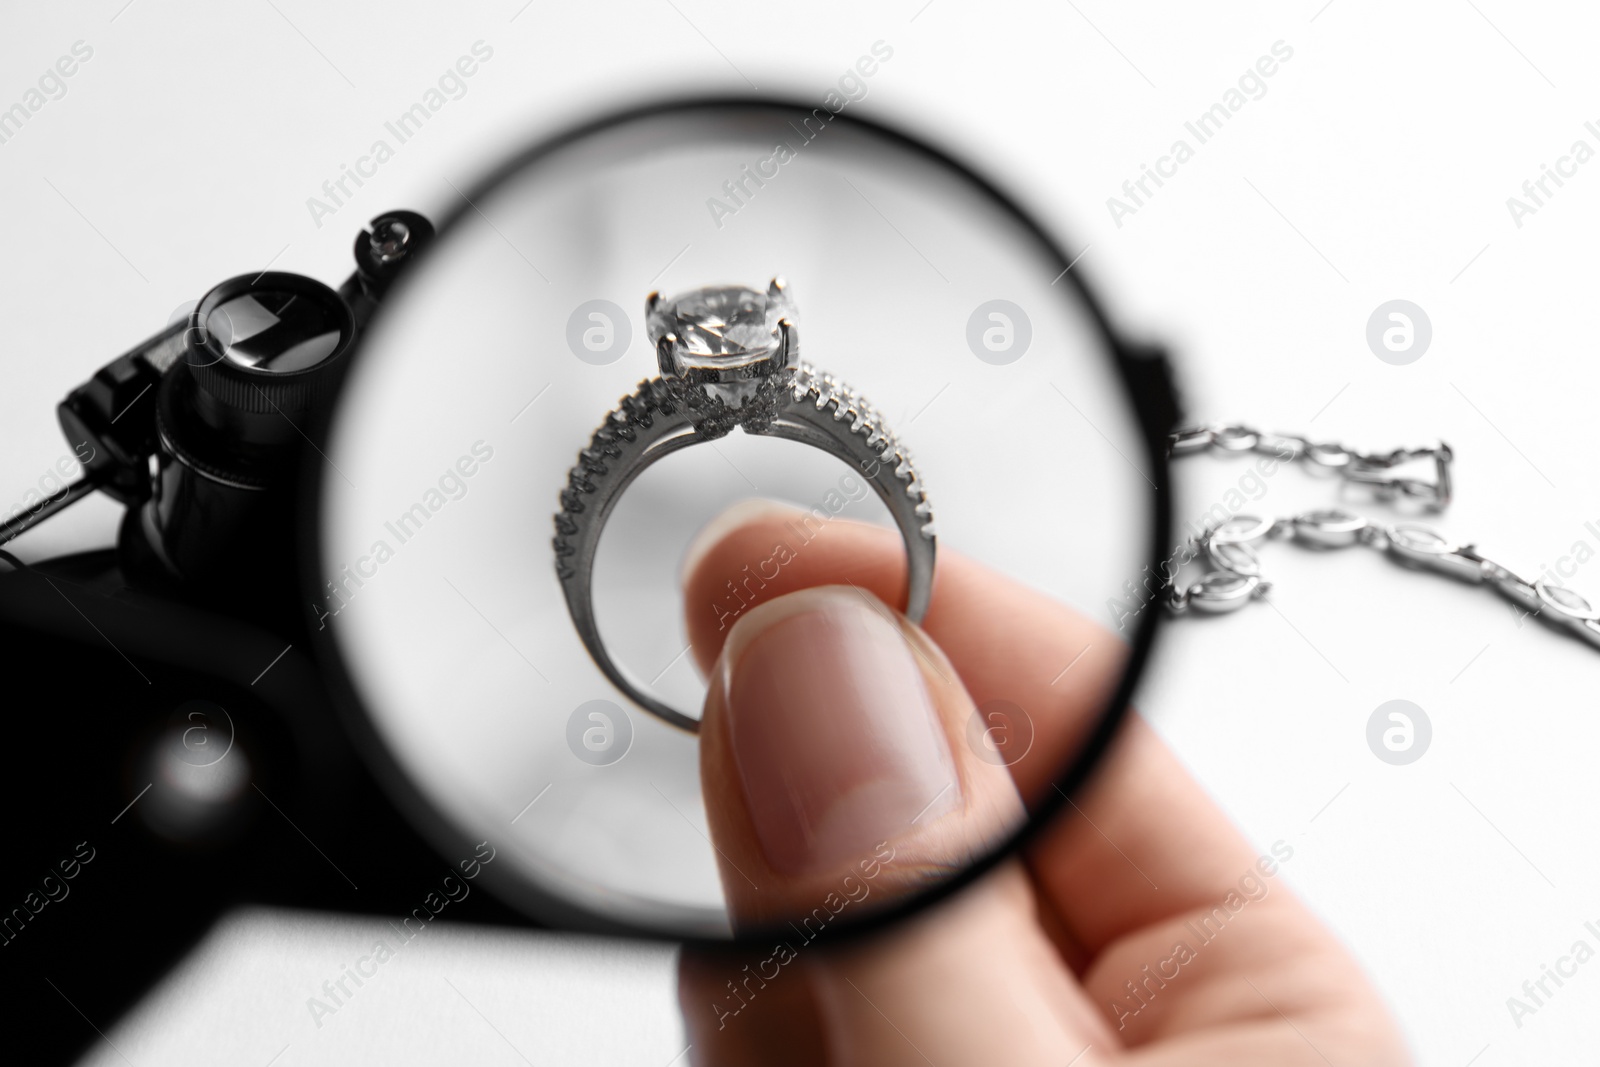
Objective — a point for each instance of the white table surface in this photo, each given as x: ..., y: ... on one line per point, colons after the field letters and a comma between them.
x: 1376, y: 166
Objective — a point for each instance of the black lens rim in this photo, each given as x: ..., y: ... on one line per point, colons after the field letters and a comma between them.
x: 1147, y: 381
x: 198, y: 339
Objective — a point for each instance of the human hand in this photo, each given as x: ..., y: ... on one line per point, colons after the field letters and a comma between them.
x: 1138, y: 929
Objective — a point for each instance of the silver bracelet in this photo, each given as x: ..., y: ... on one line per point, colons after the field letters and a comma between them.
x: 1228, y: 548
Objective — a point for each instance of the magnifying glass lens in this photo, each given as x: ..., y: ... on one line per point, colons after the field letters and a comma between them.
x: 711, y: 242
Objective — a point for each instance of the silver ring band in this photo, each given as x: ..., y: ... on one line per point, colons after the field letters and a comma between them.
x: 666, y: 414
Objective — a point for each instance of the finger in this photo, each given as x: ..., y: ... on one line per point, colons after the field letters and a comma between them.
x: 968, y: 981
x: 740, y: 1007
x: 832, y: 761
x: 973, y: 981
x: 1056, y: 666
x: 836, y: 778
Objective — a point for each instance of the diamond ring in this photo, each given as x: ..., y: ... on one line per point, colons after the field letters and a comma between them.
x: 729, y: 357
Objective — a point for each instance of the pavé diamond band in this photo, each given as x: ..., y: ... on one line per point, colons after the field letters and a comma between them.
x: 729, y: 357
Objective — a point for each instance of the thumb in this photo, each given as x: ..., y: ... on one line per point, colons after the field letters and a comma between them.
x: 837, y: 777
x: 835, y: 765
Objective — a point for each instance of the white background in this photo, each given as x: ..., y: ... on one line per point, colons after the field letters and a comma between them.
x: 1377, y: 166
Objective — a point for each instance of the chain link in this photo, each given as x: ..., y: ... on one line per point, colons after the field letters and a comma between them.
x: 1371, y: 469
x: 1233, y: 575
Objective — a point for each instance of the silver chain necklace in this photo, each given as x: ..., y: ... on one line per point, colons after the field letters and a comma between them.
x: 1228, y: 548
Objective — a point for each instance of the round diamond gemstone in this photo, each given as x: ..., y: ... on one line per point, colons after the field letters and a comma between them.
x: 720, y: 327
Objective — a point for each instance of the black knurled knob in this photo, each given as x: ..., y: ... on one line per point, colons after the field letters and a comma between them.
x: 263, y: 347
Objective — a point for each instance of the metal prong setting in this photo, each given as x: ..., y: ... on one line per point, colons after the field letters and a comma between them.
x: 790, y: 357
x: 664, y: 355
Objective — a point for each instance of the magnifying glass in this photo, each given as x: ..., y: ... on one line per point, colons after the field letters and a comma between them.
x: 624, y: 331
